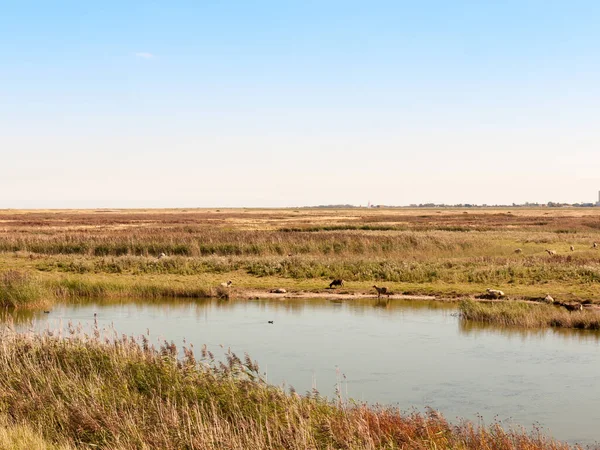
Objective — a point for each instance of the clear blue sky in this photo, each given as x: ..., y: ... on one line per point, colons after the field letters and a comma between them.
x: 285, y: 103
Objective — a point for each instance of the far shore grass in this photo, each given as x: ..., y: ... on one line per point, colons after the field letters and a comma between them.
x: 527, y: 315
x: 47, y: 287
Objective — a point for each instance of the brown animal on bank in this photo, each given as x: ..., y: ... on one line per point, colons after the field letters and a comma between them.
x: 551, y: 252
x: 573, y: 306
x: 337, y: 282
x: 518, y: 251
x: 381, y: 290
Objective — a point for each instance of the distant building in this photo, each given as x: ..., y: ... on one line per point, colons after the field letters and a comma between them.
x: 598, y: 202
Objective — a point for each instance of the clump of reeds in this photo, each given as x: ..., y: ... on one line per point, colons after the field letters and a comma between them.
x: 125, y: 393
x: 529, y: 315
x: 19, y: 289
x: 76, y: 287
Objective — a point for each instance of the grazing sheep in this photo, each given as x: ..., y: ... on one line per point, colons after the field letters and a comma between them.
x: 548, y: 299
x: 573, y: 306
x: 494, y: 293
x: 595, y: 245
x: 572, y: 248
x: 278, y: 291
x: 336, y: 282
x: 226, y: 285
x: 519, y: 251
x: 551, y: 252
x: 162, y: 255
x: 223, y: 292
x: 381, y: 290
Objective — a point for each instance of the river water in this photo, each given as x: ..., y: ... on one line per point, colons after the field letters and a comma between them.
x: 405, y: 354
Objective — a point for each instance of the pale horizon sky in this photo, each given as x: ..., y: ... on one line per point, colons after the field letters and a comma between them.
x: 297, y: 103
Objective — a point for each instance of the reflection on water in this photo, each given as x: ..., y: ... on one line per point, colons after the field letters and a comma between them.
x: 402, y: 353
x: 355, y: 306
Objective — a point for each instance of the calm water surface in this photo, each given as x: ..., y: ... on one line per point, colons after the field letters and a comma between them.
x: 407, y: 354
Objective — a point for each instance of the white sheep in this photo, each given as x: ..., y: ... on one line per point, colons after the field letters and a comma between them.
x: 495, y: 293
x: 551, y: 252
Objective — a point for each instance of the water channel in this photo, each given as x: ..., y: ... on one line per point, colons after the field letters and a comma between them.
x: 406, y: 354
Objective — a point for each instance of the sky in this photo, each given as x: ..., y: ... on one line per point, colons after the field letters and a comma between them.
x: 295, y: 103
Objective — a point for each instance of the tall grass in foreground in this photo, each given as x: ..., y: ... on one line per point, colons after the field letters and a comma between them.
x: 124, y: 393
x: 528, y: 315
x: 24, y: 437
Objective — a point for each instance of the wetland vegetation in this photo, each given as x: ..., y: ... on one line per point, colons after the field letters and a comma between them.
x: 529, y: 315
x: 83, y: 391
x: 448, y: 253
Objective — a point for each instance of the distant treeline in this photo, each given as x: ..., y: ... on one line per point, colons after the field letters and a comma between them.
x: 467, y: 205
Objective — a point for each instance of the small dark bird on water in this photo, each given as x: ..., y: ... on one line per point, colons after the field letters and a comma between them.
x: 270, y: 321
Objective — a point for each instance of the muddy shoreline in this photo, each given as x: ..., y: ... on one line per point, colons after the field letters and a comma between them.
x: 259, y: 294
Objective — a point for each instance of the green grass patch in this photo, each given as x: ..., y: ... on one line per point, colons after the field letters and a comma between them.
x: 22, y: 289
x: 528, y: 315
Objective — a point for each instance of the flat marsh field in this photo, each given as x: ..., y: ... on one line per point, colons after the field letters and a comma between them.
x: 86, y: 392
x: 448, y: 253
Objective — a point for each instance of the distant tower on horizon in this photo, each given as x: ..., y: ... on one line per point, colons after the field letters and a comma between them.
x: 598, y: 202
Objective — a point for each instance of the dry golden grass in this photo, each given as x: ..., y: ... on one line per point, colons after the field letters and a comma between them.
x: 529, y: 315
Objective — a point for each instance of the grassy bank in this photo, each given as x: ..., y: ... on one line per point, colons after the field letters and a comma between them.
x: 23, y: 289
x: 445, y: 252
x: 124, y: 393
x: 27, y: 289
x: 55, y: 286
x: 528, y: 315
